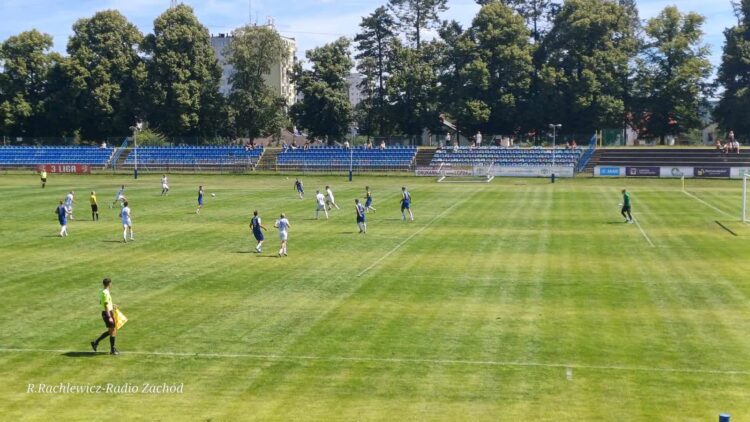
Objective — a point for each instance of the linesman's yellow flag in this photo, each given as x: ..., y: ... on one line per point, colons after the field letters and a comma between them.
x: 120, y: 319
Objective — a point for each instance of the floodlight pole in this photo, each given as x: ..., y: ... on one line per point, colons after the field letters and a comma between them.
x: 135, y: 151
x: 555, y: 128
x: 135, y: 128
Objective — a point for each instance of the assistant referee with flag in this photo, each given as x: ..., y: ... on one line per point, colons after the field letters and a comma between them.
x: 105, y: 300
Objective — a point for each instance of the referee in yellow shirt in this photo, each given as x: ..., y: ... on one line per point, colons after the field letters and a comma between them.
x: 94, y: 206
x: 105, y: 300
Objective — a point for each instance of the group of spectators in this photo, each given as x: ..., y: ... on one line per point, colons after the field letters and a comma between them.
x: 731, y: 146
x: 287, y: 147
x: 367, y: 145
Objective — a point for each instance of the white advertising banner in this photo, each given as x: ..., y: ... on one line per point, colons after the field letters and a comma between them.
x: 738, y: 172
x: 533, y: 171
x: 677, y: 172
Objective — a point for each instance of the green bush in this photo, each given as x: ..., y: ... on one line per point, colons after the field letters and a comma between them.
x: 151, y: 138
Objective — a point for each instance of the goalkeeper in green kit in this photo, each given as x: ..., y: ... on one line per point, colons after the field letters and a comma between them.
x: 626, y: 206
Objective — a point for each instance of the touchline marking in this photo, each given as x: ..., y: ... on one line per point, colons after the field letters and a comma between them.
x: 707, y: 204
x: 389, y: 253
x: 566, y: 366
x: 643, y: 232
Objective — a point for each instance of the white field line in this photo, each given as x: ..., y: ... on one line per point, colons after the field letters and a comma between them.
x: 707, y: 204
x: 566, y: 366
x: 643, y: 232
x: 389, y: 253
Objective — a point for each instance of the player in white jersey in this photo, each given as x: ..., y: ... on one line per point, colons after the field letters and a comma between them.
x: 69, y: 204
x: 320, y: 201
x: 120, y: 196
x: 329, y: 198
x: 283, y: 225
x: 126, y: 223
x: 164, y: 185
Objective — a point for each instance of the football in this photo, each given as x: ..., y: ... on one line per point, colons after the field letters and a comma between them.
x: 213, y: 194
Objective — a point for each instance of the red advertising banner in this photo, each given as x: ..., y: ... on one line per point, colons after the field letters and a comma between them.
x: 65, y: 168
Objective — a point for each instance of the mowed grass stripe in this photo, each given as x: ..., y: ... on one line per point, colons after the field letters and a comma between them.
x: 522, y: 272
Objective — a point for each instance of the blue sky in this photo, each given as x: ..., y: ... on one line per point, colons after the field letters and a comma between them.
x: 311, y: 22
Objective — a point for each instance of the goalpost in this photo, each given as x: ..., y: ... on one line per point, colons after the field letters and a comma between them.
x: 744, y: 198
x: 466, y: 174
x: 744, y: 218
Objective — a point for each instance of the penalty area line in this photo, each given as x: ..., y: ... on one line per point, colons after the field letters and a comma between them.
x: 643, y: 232
x: 567, y: 366
x: 707, y: 204
x: 403, y: 242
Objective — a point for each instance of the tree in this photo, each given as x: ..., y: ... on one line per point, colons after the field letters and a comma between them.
x: 374, y: 45
x: 324, y: 112
x: 413, y: 90
x: 255, y: 109
x: 734, y: 75
x: 464, y: 78
x: 26, y: 63
x: 502, y: 42
x: 106, y: 74
x: 414, y: 16
x: 586, y: 60
x: 673, y: 74
x: 184, y: 75
x: 537, y: 13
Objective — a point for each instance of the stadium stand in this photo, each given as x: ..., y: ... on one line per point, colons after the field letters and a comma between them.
x: 339, y: 159
x: 665, y: 157
x: 25, y: 156
x: 152, y: 158
x: 508, y: 157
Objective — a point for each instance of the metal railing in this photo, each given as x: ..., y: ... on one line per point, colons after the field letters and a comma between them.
x: 586, y: 157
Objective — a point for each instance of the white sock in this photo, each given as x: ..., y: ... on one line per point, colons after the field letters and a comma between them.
x: 125, y: 234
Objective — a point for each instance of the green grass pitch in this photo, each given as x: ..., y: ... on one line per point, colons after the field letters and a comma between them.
x: 513, y: 300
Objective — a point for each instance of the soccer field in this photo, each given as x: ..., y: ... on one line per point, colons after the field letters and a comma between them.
x: 511, y: 300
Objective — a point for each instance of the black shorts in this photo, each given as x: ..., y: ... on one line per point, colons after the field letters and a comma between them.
x: 105, y: 317
x: 44, y: 179
x: 625, y: 208
x: 94, y: 208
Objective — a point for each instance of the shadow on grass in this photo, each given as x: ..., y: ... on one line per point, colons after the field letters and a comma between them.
x: 82, y: 354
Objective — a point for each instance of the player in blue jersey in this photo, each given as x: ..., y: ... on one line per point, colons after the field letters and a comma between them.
x: 368, y: 200
x: 62, y: 218
x: 200, y: 199
x: 256, y: 227
x: 406, y: 204
x: 360, y: 210
x: 298, y: 187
